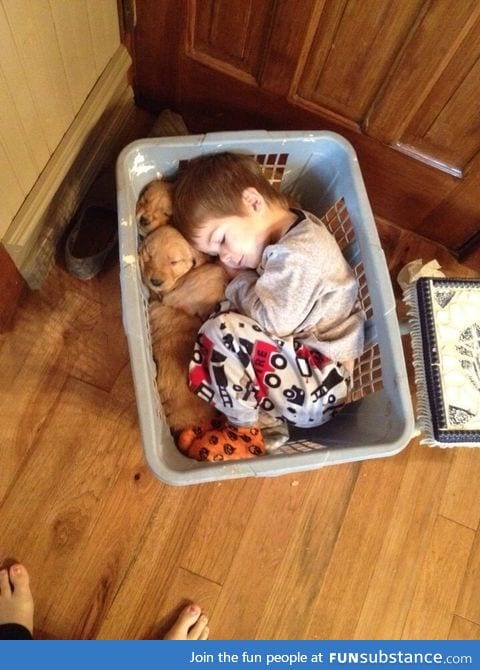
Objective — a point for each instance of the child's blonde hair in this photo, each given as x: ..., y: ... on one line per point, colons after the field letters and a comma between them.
x: 211, y: 186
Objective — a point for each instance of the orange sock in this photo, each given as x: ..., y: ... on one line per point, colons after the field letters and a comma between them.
x: 218, y: 440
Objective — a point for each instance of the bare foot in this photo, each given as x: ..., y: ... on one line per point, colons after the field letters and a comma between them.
x: 16, y: 604
x: 191, y: 624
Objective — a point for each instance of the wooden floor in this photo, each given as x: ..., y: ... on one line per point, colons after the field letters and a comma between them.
x: 388, y: 548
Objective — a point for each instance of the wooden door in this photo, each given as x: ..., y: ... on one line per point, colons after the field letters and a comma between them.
x: 400, y: 80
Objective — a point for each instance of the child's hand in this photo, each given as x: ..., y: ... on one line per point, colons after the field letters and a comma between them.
x: 221, y: 308
x: 231, y: 272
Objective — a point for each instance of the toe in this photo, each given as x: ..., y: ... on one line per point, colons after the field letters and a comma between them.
x: 185, y: 439
x: 20, y: 579
x: 187, y: 618
x: 198, y: 629
x: 16, y: 602
x: 5, y: 588
x: 205, y: 633
x: 192, y: 434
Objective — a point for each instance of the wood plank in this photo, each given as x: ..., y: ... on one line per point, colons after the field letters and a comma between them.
x: 288, y: 53
x: 307, y: 556
x: 445, y: 92
x: 76, y: 47
x: 113, y: 552
x: 337, y: 608
x: 458, y: 119
x: 157, y: 562
x: 97, y: 348
x: 82, y: 144
x: 10, y: 191
x: 169, y: 19
x: 460, y: 204
x: 462, y: 629
x: 12, y: 289
x: 472, y: 259
x: 43, y: 67
x: 185, y: 587
x: 17, y: 82
x: 461, y: 503
x: 96, y: 570
x: 62, y: 487
x: 210, y: 101
x: 137, y: 607
x: 104, y: 30
x: 34, y: 363
x: 287, y: 508
x: 347, y: 35
x: 440, y: 29
x: 439, y: 581
x: 227, y: 30
x: 401, y: 247
x: 468, y: 605
x: 305, y: 75
x: 213, y: 545
x: 399, y: 561
x: 22, y: 171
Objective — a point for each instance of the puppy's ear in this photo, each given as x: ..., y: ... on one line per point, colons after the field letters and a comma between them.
x: 198, y: 257
x: 145, y: 251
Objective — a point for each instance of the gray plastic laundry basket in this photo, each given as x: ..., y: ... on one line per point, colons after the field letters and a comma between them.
x: 321, y: 170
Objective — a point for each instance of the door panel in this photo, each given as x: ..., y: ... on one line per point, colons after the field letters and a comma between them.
x: 340, y: 73
x: 214, y: 22
x: 399, y: 80
x: 447, y: 125
x: 416, y: 100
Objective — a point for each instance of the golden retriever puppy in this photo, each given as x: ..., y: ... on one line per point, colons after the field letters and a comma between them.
x: 165, y: 256
x: 185, y: 299
x: 154, y: 206
x: 198, y: 292
x: 173, y: 335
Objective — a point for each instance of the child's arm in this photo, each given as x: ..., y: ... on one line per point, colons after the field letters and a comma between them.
x: 231, y: 272
x: 280, y: 300
x: 306, y: 283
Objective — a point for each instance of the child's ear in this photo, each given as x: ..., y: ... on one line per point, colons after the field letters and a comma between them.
x: 252, y: 199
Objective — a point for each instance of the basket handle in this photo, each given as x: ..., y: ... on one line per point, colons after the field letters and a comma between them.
x: 240, y: 136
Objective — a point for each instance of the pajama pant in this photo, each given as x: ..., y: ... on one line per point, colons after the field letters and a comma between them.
x: 241, y: 370
x: 14, y: 631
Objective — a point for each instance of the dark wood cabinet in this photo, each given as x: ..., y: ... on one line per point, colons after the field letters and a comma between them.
x: 400, y: 80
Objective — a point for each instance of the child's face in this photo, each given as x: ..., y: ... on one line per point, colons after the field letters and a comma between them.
x: 239, y: 241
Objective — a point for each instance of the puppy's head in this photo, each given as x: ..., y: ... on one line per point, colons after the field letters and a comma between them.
x: 154, y: 206
x: 165, y: 256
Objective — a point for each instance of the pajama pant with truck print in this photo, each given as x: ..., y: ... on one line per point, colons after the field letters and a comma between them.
x: 241, y: 370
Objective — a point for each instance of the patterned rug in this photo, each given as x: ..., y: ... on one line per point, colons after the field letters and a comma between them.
x: 445, y: 328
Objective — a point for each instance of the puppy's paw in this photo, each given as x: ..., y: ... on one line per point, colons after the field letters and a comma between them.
x: 154, y: 206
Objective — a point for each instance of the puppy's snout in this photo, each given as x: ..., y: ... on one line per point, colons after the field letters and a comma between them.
x: 156, y: 282
x: 144, y: 221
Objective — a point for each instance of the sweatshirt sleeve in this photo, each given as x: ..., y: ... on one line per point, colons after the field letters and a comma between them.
x: 305, y: 284
x: 264, y: 298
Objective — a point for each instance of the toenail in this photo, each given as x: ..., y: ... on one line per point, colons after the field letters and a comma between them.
x: 194, y: 609
x: 17, y: 570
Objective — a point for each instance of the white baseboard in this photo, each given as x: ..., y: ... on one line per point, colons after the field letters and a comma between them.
x: 89, y: 143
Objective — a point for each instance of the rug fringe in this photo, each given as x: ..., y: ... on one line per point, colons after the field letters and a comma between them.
x: 423, y: 414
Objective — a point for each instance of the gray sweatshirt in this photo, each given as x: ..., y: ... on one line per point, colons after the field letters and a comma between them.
x: 304, y: 286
